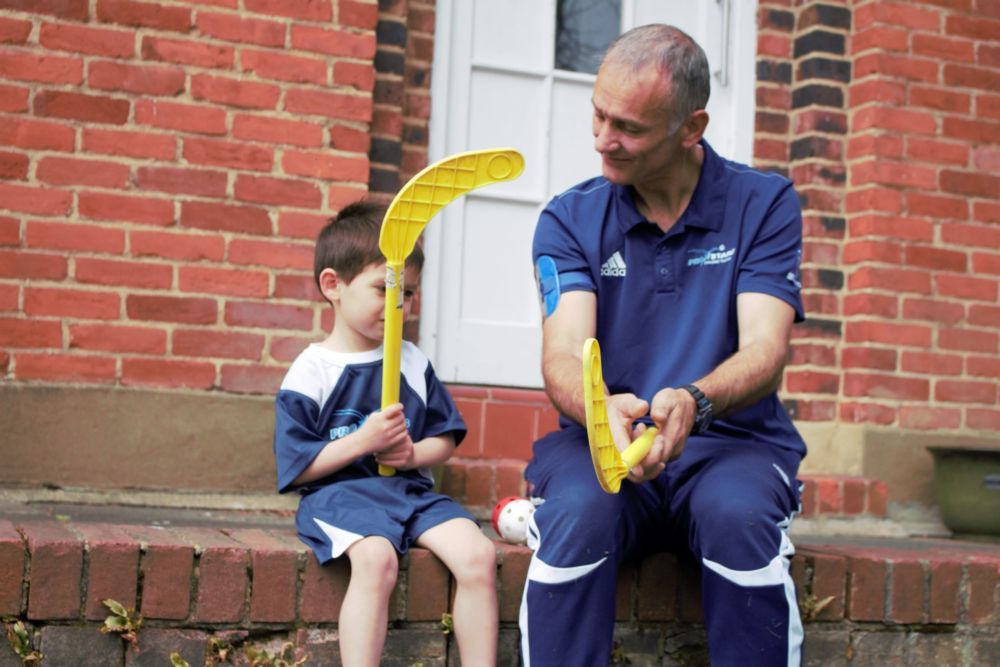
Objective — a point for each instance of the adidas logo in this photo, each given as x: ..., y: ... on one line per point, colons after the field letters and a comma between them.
x: 614, y: 266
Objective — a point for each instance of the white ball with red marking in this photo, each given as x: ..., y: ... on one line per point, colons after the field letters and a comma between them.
x: 510, y: 519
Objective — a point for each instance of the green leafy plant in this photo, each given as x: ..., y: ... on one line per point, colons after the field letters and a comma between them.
x: 810, y: 606
x: 20, y: 642
x: 219, y: 651
x: 122, y: 621
x: 447, y: 624
x: 284, y: 658
x: 177, y: 661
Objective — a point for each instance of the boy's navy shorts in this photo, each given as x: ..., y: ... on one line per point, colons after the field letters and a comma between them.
x: 399, y: 508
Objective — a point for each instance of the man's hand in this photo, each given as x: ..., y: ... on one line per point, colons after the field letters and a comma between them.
x: 623, y: 409
x: 673, y: 412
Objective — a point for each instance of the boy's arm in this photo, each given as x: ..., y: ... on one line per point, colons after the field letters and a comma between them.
x: 386, y: 428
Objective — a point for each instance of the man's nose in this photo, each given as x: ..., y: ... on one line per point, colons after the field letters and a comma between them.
x: 604, y: 138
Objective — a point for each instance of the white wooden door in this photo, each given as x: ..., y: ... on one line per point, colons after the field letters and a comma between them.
x: 495, y: 83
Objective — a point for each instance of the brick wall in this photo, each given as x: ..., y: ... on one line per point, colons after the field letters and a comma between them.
x: 885, y: 114
x: 165, y: 167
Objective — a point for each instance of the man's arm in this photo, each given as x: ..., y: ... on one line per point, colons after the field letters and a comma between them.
x: 563, y: 335
x: 753, y: 371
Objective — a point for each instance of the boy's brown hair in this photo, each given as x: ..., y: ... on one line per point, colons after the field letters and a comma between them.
x: 349, y: 242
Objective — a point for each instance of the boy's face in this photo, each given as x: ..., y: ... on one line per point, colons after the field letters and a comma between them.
x: 360, y: 305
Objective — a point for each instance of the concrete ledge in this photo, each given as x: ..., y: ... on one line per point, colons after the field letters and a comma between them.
x: 248, y: 577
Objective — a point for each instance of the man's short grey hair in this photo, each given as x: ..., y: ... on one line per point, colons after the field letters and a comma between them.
x: 676, y: 55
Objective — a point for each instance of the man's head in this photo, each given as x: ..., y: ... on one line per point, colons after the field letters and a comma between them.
x: 649, y: 101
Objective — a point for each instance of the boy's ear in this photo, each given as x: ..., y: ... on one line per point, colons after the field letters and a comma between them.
x: 330, y: 284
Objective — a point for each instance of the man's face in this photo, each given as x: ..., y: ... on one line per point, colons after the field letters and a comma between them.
x: 632, y: 125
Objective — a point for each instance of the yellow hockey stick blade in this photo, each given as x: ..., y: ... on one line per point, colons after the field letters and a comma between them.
x: 435, y: 187
x: 610, y: 465
x: 411, y: 209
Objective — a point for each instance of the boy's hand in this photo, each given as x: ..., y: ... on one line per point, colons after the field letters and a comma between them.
x: 385, y: 429
x: 398, y: 456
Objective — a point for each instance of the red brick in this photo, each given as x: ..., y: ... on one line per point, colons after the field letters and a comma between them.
x: 311, y: 10
x: 268, y: 316
x: 323, y: 589
x: 360, y: 76
x: 975, y: 27
x: 983, y: 263
x: 86, y: 39
x: 281, y: 67
x: 43, y: 69
x: 971, y: 235
x: 901, y: 14
x: 183, y: 52
x: 866, y: 589
x: 623, y: 592
x: 984, y: 366
x: 907, y: 584
x: 945, y: 578
x: 287, y: 348
x: 887, y: 118
x: 13, y: 99
x: 233, y: 28
x: 168, y: 374
x: 812, y: 382
x: 77, y: 106
x: 936, y: 258
x: 37, y: 135
x: 301, y: 225
x: 964, y: 391
x: 274, y: 571
x: 74, y: 236
x: 112, y: 568
x: 859, y: 413
x: 929, y: 419
x: 340, y: 43
x: 829, y: 495
x: 331, y: 105
x: 200, y: 119
x: 167, y: 568
x: 220, y: 153
x: 222, y: 572
x: 888, y: 333
x: 427, y: 592
x: 189, y: 310
x: 871, y: 304
x: 943, y: 48
x: 142, y: 210
x: 987, y: 420
x: 830, y: 580
x: 984, y: 315
x: 938, y: 152
x: 509, y: 479
x: 13, y: 31
x: 18, y: 264
x: 13, y: 166
x: 882, y: 38
x: 251, y: 378
x: 937, y: 205
x: 30, y: 332
x: 277, y: 130
x: 873, y: 198
x: 978, y: 131
x: 56, y: 565
x: 58, y: 302
x: 930, y: 363
x: 980, y: 587
x: 113, y: 338
x: 65, y: 368
x: 658, y: 587
x: 508, y: 430
x: 230, y: 345
x: 363, y: 15
x: 479, y: 487
x: 73, y: 171
x: 12, y: 562
x: 970, y: 183
x: 325, y: 166
x: 272, y: 254
x: 130, y: 144
x: 230, y: 282
x: 118, y: 273
x: 204, y: 182
x: 813, y: 354
x: 885, y: 172
x: 514, y: 561
x: 223, y: 217
x: 913, y: 229
x: 689, y: 595
x: 855, y: 496
x: 144, y: 15
x: 885, y: 386
x: 283, y: 192
x: 233, y: 92
x: 966, y: 287
x: 177, y: 246
x: 901, y: 280
x: 885, y: 146
x: 970, y: 341
x: 142, y: 79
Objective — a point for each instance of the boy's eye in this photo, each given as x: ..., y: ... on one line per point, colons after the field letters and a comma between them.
x: 408, y: 294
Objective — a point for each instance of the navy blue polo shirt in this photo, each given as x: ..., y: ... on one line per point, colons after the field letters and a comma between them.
x: 666, y: 302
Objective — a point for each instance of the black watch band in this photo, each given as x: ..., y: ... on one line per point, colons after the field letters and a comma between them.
x: 703, y: 409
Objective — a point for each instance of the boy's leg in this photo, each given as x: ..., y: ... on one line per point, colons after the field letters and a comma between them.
x: 733, y: 505
x: 580, y: 535
x: 471, y: 557
x: 365, y: 610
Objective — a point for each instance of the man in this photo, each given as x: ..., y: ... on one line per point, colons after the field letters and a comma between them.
x: 684, y: 266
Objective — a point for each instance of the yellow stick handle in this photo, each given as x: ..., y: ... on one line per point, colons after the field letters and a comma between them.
x: 639, y: 448
x: 393, y: 341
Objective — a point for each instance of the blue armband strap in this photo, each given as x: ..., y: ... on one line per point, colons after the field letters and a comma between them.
x: 548, y: 283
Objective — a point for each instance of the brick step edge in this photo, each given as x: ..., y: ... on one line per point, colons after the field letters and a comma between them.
x: 480, y: 483
x: 247, y: 577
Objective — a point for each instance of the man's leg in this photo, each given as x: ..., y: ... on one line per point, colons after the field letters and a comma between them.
x: 580, y: 534
x: 734, y: 504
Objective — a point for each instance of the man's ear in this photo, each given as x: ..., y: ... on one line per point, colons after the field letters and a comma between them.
x: 694, y: 128
x: 330, y: 285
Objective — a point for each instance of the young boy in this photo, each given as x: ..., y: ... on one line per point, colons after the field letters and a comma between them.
x: 330, y: 436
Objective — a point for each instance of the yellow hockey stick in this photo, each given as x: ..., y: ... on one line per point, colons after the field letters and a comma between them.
x: 412, y: 208
x: 610, y: 466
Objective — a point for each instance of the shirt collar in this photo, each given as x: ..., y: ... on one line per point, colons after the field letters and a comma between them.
x: 707, y: 205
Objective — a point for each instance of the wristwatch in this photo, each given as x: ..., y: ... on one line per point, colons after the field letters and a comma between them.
x: 703, y: 409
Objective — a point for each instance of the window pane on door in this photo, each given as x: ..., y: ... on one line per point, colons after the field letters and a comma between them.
x: 584, y: 31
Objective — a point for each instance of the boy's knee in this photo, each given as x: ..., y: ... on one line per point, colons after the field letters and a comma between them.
x: 374, y: 557
x: 479, y: 561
